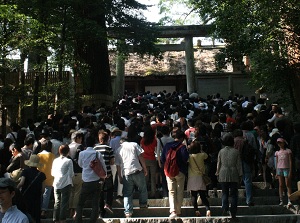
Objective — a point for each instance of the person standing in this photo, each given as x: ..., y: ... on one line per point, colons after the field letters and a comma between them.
x: 240, y: 143
x: 132, y: 170
x: 8, y: 212
x: 229, y: 173
x: 62, y: 171
x: 195, y: 182
x: 149, y: 143
x: 46, y: 158
x: 32, y: 187
x: 91, y: 186
x: 284, y: 169
x: 109, y: 159
x: 75, y: 148
x: 161, y: 142
x: 176, y: 184
x: 115, y: 144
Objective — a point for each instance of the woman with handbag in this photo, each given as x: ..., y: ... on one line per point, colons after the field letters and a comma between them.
x: 32, y: 187
x: 196, y: 172
x: 17, y: 164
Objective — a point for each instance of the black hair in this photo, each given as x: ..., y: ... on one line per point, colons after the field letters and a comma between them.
x: 228, y: 140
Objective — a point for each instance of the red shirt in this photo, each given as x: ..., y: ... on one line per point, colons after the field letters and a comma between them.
x: 149, y: 150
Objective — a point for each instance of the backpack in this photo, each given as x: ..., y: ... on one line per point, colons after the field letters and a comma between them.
x: 171, y: 168
x: 158, y: 132
x: 248, y: 153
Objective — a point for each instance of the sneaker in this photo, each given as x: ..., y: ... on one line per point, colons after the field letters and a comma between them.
x: 108, y: 208
x: 173, y: 215
x: 281, y: 203
x: 208, y: 214
x: 226, y: 213
x: 250, y: 204
x: 289, y: 204
x: 128, y: 215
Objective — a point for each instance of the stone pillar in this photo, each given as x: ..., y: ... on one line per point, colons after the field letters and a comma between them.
x: 190, y: 69
x: 120, y: 76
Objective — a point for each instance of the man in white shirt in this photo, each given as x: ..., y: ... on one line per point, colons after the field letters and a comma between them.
x: 132, y: 171
x: 92, y: 184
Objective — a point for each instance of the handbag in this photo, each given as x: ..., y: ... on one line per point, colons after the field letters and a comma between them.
x: 97, y: 167
x: 206, y: 179
x: 16, y: 174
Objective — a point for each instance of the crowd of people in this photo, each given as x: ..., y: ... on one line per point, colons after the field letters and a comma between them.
x: 231, y: 140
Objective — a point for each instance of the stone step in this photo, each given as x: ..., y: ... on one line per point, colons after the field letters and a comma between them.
x: 270, y: 200
x: 188, y: 211
x: 279, y: 218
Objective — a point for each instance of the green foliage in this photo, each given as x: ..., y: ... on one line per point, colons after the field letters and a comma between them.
x: 174, y: 12
x: 48, y: 97
x: 266, y: 31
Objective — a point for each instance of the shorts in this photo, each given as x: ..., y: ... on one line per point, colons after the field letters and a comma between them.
x: 283, y: 172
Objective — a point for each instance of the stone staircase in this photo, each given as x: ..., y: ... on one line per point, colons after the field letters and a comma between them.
x: 266, y: 210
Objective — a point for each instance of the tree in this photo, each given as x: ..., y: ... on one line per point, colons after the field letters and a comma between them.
x: 80, y: 31
x: 266, y: 31
x: 125, y: 22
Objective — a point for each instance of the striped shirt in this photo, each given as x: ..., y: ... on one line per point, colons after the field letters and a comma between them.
x: 107, y: 154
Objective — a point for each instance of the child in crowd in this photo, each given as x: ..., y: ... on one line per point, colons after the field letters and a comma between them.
x: 284, y: 168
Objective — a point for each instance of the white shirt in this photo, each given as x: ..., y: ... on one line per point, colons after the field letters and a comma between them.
x: 84, y: 159
x: 62, y: 171
x: 127, y: 156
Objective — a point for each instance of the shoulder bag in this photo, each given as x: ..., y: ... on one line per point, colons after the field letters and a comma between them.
x: 16, y: 174
x: 206, y: 179
x: 97, y: 167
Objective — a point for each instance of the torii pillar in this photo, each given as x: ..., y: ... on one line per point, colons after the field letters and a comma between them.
x: 190, y: 67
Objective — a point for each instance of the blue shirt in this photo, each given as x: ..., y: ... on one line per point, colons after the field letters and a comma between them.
x: 13, y: 214
x: 84, y: 160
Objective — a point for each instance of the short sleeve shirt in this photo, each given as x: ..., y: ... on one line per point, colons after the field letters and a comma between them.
x: 283, y: 158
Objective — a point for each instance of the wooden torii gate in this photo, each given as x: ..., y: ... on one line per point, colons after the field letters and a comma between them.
x: 187, y: 32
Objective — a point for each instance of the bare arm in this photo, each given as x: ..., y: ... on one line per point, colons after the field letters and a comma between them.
x: 119, y: 174
x: 20, y: 185
x: 142, y: 160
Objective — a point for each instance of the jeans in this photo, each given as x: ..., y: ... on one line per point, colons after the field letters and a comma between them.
x: 129, y: 181
x: 176, y: 190
x: 61, y: 205
x: 89, y: 190
x: 151, y: 167
x: 233, y: 186
x: 46, y: 197
x: 247, y: 178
